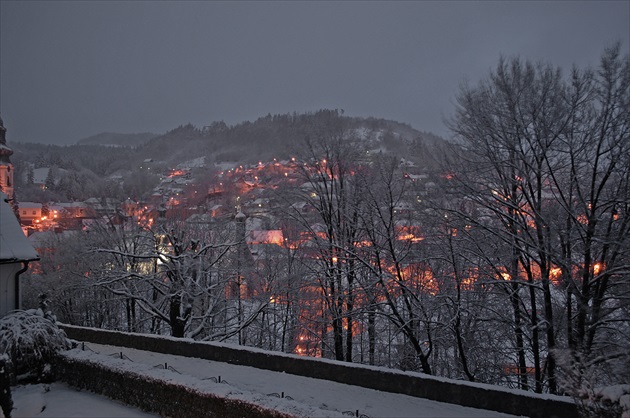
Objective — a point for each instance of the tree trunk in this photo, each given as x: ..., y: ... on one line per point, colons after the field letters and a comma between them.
x: 518, y: 333
x: 349, y: 312
x: 371, y: 335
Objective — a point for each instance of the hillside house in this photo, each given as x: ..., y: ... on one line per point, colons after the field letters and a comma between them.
x: 30, y: 212
x: 131, y: 208
x: 39, y: 176
x: 72, y: 210
x: 103, y: 206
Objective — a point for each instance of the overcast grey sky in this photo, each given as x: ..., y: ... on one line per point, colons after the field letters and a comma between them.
x: 69, y: 70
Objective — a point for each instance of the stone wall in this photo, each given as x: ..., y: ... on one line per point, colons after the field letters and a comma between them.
x: 414, y: 384
x: 157, y: 396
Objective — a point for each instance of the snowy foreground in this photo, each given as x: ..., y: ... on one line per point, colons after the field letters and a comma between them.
x: 59, y: 400
x: 302, y: 396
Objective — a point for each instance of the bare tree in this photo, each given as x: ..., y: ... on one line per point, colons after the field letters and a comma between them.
x: 549, y: 161
x: 328, y: 166
x: 167, y: 273
x: 397, y: 277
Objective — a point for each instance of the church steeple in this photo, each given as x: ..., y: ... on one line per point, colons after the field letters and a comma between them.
x: 6, y: 168
x: 3, y: 133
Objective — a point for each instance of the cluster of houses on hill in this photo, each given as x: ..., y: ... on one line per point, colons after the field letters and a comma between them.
x: 256, y: 190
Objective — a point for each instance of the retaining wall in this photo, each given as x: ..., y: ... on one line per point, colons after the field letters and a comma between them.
x: 167, y: 399
x: 474, y: 395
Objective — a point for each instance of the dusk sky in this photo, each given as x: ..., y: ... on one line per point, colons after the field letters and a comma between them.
x: 69, y: 70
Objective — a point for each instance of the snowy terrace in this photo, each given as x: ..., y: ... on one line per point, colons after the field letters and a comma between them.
x: 312, y: 387
x: 286, y: 393
x: 59, y: 400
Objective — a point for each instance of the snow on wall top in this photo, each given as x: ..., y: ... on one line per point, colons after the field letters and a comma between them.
x: 13, y: 244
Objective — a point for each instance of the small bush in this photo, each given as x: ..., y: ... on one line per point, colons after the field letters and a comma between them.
x: 6, y: 402
x: 599, y: 386
x: 31, y: 339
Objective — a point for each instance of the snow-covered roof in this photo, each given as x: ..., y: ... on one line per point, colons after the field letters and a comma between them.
x: 29, y: 205
x: 200, y: 218
x: 183, y: 181
x: 5, y: 148
x: 266, y: 237
x: 69, y: 205
x: 13, y: 243
x: 40, y: 175
x: 225, y: 165
x: 404, y: 205
x: 418, y: 176
x: 47, y: 239
x: 197, y: 162
x: 299, y: 205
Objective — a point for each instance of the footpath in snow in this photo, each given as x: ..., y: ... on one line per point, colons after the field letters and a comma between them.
x: 314, y: 395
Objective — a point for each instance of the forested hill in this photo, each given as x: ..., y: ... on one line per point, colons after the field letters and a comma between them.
x: 114, y: 139
x: 110, y: 164
x: 272, y: 136
x: 279, y: 136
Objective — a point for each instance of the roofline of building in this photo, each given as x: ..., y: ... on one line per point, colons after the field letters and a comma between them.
x: 18, y: 260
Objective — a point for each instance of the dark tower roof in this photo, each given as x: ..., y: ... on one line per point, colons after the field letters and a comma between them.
x: 5, y: 151
x: 3, y: 133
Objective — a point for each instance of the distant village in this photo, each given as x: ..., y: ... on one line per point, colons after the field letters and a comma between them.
x: 181, y: 195
x: 271, y: 205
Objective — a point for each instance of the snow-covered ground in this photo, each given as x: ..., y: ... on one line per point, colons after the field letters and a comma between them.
x: 303, y: 396
x: 60, y: 400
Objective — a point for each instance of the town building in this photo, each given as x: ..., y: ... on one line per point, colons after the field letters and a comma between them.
x: 30, y: 212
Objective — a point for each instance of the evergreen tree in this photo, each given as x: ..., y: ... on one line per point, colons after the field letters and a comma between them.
x: 50, y: 179
x: 15, y: 205
x: 30, y: 175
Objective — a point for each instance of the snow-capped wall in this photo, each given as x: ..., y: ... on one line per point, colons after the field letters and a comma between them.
x: 476, y: 395
x: 154, y: 393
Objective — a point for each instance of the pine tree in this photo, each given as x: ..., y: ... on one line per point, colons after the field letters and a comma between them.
x: 50, y: 179
x: 15, y: 205
x: 30, y: 175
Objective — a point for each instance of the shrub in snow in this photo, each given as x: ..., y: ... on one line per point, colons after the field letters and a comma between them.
x: 6, y: 402
x: 599, y: 385
x: 31, y: 339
